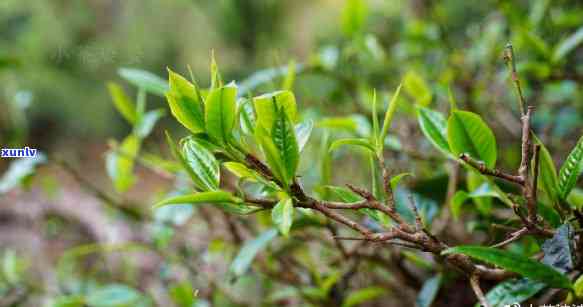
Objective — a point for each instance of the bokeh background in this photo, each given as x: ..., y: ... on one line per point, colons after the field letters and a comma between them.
x: 56, y: 57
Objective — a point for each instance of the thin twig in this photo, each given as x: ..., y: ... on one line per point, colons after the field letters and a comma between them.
x: 475, y: 282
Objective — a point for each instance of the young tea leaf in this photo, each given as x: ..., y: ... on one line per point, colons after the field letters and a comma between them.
x: 202, y: 163
x: 468, y: 133
x: 122, y: 102
x: 267, y: 106
x: 215, y: 197
x: 282, y: 215
x: 185, y: 103
x: 515, y: 263
x: 284, y: 139
x: 389, y: 115
x: 220, y: 113
x: 360, y: 142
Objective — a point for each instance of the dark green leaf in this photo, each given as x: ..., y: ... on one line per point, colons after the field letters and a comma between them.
x: 571, y: 169
x: 558, y: 250
x: 515, y: 263
x: 284, y: 139
x: 434, y: 127
x: 513, y: 291
x: 468, y: 133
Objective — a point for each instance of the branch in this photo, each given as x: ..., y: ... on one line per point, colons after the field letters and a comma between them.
x: 475, y: 282
x: 481, y: 167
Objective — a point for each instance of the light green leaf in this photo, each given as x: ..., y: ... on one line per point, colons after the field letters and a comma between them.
x: 468, y: 133
x: 360, y: 296
x: 250, y: 249
x: 186, y: 103
x: 429, y: 291
x: 434, y: 127
x: 215, y: 197
x: 146, y: 123
x: 397, y: 178
x: 145, y: 80
x: 567, y: 45
x: 220, y: 113
x: 20, y: 170
x: 571, y: 170
x: 578, y: 290
x: 389, y: 115
x: 282, y: 215
x: 360, y: 142
x: 284, y: 139
x: 267, y: 106
x: 122, y: 102
x: 515, y: 263
x: 247, y: 117
x: 202, y: 163
x: 120, y: 163
x: 303, y: 132
x: 288, y: 82
x: 113, y: 295
x: 356, y: 124
x: 416, y: 87
x: 240, y: 170
x: 547, y: 179
x: 216, y: 80
x: 353, y: 17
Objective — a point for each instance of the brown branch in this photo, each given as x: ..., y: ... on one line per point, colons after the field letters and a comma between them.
x: 475, y: 282
x: 481, y: 167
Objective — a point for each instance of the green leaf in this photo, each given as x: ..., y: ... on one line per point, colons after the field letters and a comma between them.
x: 515, y: 263
x: 571, y: 169
x: 355, y: 123
x: 353, y: 17
x: 416, y: 87
x: 271, y: 154
x: 122, y: 102
x: 434, y: 127
x: 69, y: 301
x: 185, y: 103
x: 216, y: 80
x: 343, y: 194
x: 220, y: 113
x: 513, y: 291
x: 120, y: 163
x: 468, y: 133
x: 389, y: 115
x: 547, y: 179
x: 146, y: 123
x: 215, y: 197
x: 267, y: 106
x: 247, y: 117
x: 290, y: 77
x: 567, y: 45
x: 113, y: 295
x: 282, y: 215
x: 202, y: 163
x: 360, y: 142
x: 241, y: 171
x: 397, y: 178
x: 578, y: 290
x: 145, y: 80
x: 250, y: 249
x: 485, y: 190
x: 360, y: 296
x: 429, y: 291
x: 284, y: 139
x: 303, y: 132
x: 558, y: 250
x: 19, y: 171
x: 183, y: 294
